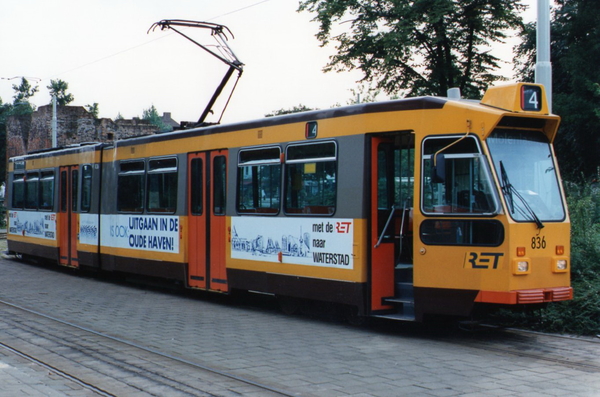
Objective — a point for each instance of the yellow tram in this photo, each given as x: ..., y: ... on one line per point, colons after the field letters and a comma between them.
x: 398, y: 209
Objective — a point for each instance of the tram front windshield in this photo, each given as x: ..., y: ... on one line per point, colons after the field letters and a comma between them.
x: 527, y: 173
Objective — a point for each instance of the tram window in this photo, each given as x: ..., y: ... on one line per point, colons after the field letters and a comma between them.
x: 31, y: 190
x: 219, y: 185
x: 162, y: 185
x: 86, y: 188
x: 47, y: 190
x: 479, y: 232
x: 18, y: 191
x: 310, y: 175
x: 259, y: 181
x: 395, y: 173
x: 63, y: 191
x: 466, y: 186
x: 196, y: 186
x: 131, y: 187
x: 74, y: 189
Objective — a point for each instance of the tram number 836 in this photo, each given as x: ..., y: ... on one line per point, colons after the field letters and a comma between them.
x: 538, y: 242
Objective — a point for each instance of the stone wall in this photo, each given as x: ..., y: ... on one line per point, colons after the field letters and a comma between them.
x: 75, y: 124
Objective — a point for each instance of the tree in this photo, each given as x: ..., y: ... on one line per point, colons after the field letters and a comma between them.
x: 93, y: 109
x: 575, y: 51
x: 58, y: 89
x: 295, y: 109
x: 417, y: 47
x: 5, y: 111
x: 23, y: 92
x: 152, y: 116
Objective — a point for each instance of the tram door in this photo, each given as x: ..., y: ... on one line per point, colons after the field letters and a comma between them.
x: 68, y: 221
x: 392, y: 169
x: 207, y: 222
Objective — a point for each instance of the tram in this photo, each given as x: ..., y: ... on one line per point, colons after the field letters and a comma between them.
x: 400, y: 209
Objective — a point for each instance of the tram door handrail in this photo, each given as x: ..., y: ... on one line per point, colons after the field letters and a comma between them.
x: 393, y: 209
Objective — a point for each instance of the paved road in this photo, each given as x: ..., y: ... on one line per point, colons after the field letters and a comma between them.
x: 307, y: 356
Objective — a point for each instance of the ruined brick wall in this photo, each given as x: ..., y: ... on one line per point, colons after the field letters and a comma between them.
x: 74, y: 125
x: 17, y: 135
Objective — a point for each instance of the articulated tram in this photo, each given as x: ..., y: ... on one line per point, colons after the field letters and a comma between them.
x: 400, y: 209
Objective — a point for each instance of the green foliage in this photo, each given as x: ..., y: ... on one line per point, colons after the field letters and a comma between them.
x: 295, y: 109
x: 363, y: 94
x: 58, y: 88
x: 152, y: 116
x: 5, y: 111
x: 418, y: 47
x: 582, y: 314
x: 93, y: 109
x: 575, y: 51
x: 21, y: 104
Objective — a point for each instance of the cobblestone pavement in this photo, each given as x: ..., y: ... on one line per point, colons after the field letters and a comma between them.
x: 304, y: 355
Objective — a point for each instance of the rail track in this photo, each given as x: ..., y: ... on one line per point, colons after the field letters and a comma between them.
x: 109, y: 366
x: 535, y: 345
x: 232, y: 350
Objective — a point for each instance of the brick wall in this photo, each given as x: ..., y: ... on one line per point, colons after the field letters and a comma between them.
x: 75, y: 124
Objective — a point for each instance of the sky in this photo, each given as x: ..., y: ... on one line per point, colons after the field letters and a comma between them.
x: 101, y: 48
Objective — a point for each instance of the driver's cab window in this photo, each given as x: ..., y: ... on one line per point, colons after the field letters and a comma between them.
x: 456, y: 177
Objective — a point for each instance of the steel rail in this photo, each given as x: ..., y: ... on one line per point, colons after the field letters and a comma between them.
x: 149, y: 350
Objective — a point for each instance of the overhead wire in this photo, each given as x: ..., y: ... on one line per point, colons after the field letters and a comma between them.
x: 148, y: 42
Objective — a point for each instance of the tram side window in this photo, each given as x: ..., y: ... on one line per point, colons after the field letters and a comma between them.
x: 86, y: 188
x: 219, y: 185
x: 259, y: 181
x: 310, y: 178
x: 196, y: 186
x: 162, y: 185
x: 18, y: 191
x: 465, y: 186
x: 131, y: 187
x: 47, y: 190
x: 74, y: 190
x: 31, y: 190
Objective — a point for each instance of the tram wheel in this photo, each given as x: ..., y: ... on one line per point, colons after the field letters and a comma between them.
x: 353, y: 317
x: 289, y: 305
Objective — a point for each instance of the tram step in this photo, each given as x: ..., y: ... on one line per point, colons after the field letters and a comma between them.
x: 405, y: 306
x: 397, y: 316
x: 404, y: 272
x: 404, y: 290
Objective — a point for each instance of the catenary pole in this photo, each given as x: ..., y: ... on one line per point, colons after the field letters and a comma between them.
x: 543, y: 66
x: 54, y: 123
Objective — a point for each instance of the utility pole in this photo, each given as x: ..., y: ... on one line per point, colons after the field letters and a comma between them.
x: 54, y: 122
x: 543, y: 66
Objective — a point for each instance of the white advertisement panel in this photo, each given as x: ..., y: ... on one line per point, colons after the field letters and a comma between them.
x: 88, y: 229
x: 142, y: 232
x: 300, y: 241
x: 32, y: 224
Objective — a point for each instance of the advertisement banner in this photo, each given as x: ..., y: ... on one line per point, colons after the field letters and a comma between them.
x: 32, y: 224
x: 88, y: 229
x: 300, y: 241
x: 142, y: 232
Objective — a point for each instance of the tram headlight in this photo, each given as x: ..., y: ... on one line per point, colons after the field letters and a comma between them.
x: 521, y: 266
x: 561, y: 265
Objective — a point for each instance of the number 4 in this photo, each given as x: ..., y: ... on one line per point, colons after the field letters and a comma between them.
x: 531, y: 97
x: 533, y: 100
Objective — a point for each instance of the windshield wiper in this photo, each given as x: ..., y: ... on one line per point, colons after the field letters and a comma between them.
x: 509, y: 190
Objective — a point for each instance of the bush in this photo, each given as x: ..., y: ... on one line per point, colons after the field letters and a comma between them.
x: 2, y: 217
x: 581, y: 315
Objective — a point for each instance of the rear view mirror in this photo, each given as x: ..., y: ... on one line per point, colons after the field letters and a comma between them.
x: 439, y: 169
